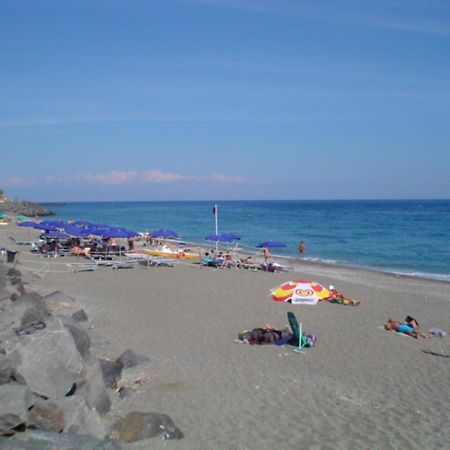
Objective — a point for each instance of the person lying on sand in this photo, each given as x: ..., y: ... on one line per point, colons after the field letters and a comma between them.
x: 265, y: 335
x: 337, y: 297
x: 409, y: 327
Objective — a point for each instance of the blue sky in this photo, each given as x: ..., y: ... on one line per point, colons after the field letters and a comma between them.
x: 224, y: 99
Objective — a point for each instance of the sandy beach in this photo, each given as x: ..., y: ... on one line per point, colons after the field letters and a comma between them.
x: 361, y: 387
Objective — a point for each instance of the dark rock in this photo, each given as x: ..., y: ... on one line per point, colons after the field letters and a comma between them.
x: 45, y: 440
x: 46, y: 359
x: 111, y: 372
x: 14, y: 275
x: 30, y: 306
x: 46, y: 416
x: 92, y: 387
x: 125, y: 392
x: 79, y: 418
x: 15, y: 400
x: 130, y: 359
x: 139, y: 425
x: 80, y: 337
x: 5, y: 368
x: 80, y: 316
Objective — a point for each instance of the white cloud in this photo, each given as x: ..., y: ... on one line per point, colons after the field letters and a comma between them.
x: 116, y: 177
x: 16, y: 181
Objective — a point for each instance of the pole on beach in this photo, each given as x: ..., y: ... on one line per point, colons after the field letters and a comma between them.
x: 216, y: 217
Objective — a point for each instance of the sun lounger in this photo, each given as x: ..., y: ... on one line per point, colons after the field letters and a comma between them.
x: 125, y: 264
x: 81, y: 267
x: 19, y: 241
x: 156, y: 262
x: 101, y: 262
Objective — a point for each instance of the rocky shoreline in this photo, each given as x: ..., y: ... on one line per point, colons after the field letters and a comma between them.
x: 55, y: 389
x: 25, y: 208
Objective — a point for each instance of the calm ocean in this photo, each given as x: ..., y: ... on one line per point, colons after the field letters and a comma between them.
x: 410, y: 237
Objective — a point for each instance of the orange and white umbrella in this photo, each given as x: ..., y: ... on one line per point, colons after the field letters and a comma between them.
x: 300, y: 292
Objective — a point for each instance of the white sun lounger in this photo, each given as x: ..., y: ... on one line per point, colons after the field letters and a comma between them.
x: 125, y: 264
x: 81, y: 267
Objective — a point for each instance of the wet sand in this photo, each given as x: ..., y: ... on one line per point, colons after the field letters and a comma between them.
x: 361, y: 387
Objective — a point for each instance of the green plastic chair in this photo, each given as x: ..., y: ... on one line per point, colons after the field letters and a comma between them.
x: 299, y: 341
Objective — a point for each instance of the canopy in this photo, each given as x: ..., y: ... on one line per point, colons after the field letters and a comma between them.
x: 82, y: 223
x: 164, y: 233
x: 54, y: 223
x: 271, y: 244
x: 76, y: 231
x: 300, y: 292
x: 44, y: 227
x: 28, y: 224
x: 20, y: 217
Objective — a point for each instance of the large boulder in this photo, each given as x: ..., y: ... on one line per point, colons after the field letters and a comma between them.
x: 47, y: 416
x: 130, y: 359
x: 79, y: 336
x: 30, y: 308
x: 44, y: 440
x: 80, y: 316
x: 61, y: 303
x: 15, y: 400
x: 79, y: 418
x: 111, y: 372
x: 5, y: 368
x: 45, y: 358
x: 92, y: 387
x: 140, y: 425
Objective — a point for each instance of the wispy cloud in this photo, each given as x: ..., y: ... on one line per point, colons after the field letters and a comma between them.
x: 16, y: 181
x: 116, y: 177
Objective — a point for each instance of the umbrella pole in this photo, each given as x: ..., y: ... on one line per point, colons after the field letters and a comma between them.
x: 216, y: 216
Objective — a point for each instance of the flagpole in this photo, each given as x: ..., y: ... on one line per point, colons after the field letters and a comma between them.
x: 216, y: 217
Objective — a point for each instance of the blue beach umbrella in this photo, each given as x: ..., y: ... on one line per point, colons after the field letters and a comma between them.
x: 271, y: 244
x: 54, y: 223
x: 76, y: 231
x: 83, y: 223
x: 41, y: 226
x: 164, y: 234
x: 27, y: 224
x: 220, y: 238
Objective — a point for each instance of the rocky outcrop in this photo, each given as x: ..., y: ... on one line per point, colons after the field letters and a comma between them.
x: 54, y: 391
x: 21, y: 207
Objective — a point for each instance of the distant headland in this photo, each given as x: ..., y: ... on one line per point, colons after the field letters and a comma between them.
x: 22, y: 207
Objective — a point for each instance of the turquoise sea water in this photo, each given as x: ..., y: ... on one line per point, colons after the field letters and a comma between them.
x: 397, y: 236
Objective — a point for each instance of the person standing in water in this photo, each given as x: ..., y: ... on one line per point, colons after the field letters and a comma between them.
x: 301, y: 249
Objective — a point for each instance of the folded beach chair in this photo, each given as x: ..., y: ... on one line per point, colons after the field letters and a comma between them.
x: 299, y: 341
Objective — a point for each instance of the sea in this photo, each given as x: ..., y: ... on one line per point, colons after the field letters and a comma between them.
x: 410, y: 237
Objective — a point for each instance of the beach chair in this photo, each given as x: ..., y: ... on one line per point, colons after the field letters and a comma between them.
x: 299, y: 340
x: 80, y: 267
x: 125, y: 264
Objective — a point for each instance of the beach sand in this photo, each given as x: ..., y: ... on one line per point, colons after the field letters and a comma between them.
x: 361, y: 387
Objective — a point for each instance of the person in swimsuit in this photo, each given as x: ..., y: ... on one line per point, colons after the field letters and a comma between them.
x: 409, y: 327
